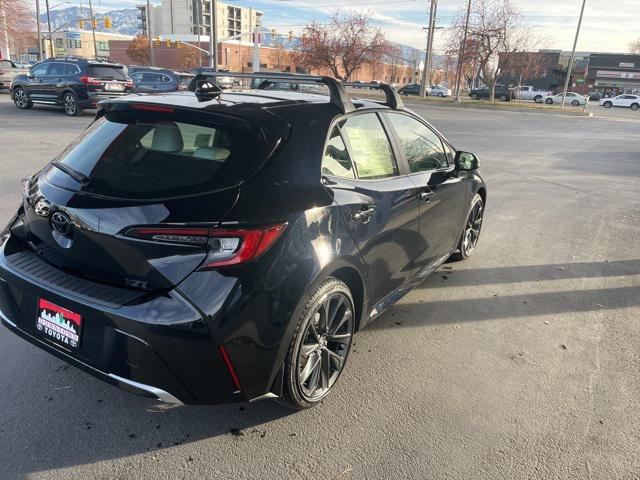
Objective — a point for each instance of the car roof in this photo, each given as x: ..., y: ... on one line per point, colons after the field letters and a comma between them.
x: 237, y: 99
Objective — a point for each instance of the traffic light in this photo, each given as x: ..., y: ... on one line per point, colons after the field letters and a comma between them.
x: 107, y: 22
x: 94, y: 23
x: 290, y: 35
x: 157, y: 41
x: 273, y: 32
x: 178, y: 44
x: 81, y: 24
x: 168, y: 43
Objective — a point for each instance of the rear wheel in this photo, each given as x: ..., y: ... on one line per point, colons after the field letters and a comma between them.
x: 319, y: 349
x: 634, y: 106
x: 503, y: 98
x: 70, y: 104
x: 575, y: 103
x: 474, y: 96
x: 21, y: 99
x: 471, y: 233
x: 607, y: 104
x: 440, y: 94
x: 538, y: 99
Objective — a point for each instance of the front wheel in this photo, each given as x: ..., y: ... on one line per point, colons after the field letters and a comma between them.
x: 319, y: 349
x: 503, y: 98
x: 538, y: 99
x: 575, y: 103
x: 635, y: 107
x: 471, y: 233
x: 548, y: 101
x: 70, y: 104
x: 21, y: 99
x: 474, y: 96
x: 607, y: 104
x: 440, y: 94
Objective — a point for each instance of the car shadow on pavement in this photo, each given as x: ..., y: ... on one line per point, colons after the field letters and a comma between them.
x: 498, y: 303
x: 58, y: 417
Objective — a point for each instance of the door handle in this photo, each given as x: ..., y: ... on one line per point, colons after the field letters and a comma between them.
x: 426, y: 196
x: 364, y: 215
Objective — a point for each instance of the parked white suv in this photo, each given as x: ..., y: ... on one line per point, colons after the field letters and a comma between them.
x: 624, y: 100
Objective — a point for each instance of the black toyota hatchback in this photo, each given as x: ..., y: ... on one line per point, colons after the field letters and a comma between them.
x: 209, y: 247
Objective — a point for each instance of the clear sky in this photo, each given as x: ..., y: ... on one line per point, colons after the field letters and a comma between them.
x: 608, y: 26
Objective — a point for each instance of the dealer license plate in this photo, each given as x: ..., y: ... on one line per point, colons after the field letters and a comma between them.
x: 58, y: 324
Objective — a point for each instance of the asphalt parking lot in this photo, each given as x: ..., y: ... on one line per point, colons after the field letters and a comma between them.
x: 519, y: 363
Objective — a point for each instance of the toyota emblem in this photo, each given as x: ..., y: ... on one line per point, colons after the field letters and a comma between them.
x: 61, y: 223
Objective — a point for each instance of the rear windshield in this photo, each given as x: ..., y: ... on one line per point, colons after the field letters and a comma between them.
x: 106, y: 72
x: 134, y: 156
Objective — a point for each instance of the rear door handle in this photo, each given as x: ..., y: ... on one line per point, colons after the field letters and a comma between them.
x: 426, y: 196
x: 364, y: 215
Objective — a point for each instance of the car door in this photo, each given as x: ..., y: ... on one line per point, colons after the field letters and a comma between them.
x: 442, y: 195
x: 52, y: 80
x: 376, y: 199
x: 37, y: 78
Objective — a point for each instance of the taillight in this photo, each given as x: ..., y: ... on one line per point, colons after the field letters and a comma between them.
x: 225, y: 247
x: 90, y: 80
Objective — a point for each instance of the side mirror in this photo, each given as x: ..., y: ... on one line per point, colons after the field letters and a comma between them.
x: 466, y: 161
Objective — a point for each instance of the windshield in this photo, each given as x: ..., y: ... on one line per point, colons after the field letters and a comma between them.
x: 140, y: 157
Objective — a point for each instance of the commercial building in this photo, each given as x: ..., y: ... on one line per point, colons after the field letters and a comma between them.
x: 193, y: 17
x: 79, y: 43
x: 613, y: 73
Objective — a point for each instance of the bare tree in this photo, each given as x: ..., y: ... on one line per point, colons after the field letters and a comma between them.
x: 16, y: 23
x: 524, y: 65
x: 634, y: 47
x: 279, y: 56
x: 495, y: 26
x: 343, y: 45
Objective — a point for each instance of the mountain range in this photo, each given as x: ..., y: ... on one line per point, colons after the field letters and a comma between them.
x: 126, y: 22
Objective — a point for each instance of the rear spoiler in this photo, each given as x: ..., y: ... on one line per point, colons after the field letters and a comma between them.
x: 205, y: 87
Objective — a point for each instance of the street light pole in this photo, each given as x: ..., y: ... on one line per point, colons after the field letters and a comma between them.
x: 461, y: 56
x: 152, y: 52
x: 573, y: 53
x: 213, y: 36
x: 40, y: 57
x: 93, y: 30
x: 49, y: 26
x: 427, y: 53
x: 432, y: 31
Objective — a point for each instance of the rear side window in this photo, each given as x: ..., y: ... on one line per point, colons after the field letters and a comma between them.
x: 56, y: 68
x: 139, y: 157
x: 335, y: 160
x: 372, y: 153
x: 107, y: 72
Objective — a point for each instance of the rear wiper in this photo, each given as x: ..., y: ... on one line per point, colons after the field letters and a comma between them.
x: 72, y: 172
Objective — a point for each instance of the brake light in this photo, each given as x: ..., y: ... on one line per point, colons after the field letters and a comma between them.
x: 152, y: 108
x: 225, y: 247
x: 90, y: 80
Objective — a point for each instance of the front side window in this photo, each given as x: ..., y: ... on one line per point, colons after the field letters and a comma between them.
x: 335, y: 160
x: 372, y: 153
x: 39, y: 70
x: 422, y: 147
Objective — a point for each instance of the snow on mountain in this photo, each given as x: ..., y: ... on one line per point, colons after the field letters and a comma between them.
x: 126, y: 22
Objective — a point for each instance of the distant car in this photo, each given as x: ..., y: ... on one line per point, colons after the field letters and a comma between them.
x: 73, y: 83
x: 624, y: 100
x: 9, y: 71
x: 153, y: 80
x: 440, y: 91
x: 412, y: 89
x: 528, y: 92
x: 501, y: 93
x: 572, y: 98
x: 266, y: 84
x: 595, y: 96
x: 185, y: 79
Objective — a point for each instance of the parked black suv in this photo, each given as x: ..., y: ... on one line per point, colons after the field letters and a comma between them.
x: 70, y: 82
x: 217, y: 246
x: 501, y: 93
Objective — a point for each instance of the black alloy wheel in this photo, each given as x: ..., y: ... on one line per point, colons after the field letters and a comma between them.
x: 21, y: 99
x: 471, y: 233
x: 70, y: 104
x: 318, y: 352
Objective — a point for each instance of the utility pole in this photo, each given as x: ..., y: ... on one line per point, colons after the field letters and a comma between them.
x: 39, y: 32
x: 198, y: 18
x: 49, y: 26
x: 152, y: 53
x: 427, y: 53
x: 213, y: 36
x: 7, y: 53
x: 432, y: 31
x: 573, y: 53
x: 461, y: 56
x: 93, y: 30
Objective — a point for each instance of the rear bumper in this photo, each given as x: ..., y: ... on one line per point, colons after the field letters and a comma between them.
x: 158, y: 347
x: 93, y: 98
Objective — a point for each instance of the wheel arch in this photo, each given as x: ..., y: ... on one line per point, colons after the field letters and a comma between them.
x: 354, y: 281
x: 482, y: 191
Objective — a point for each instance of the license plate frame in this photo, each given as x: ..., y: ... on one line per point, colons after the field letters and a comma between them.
x: 114, y: 87
x: 59, y: 325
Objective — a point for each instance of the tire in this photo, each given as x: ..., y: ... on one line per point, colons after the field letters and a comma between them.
x: 607, y: 104
x: 503, y: 98
x: 472, y: 228
x: 634, y: 106
x: 537, y: 99
x: 548, y: 101
x: 70, y: 104
x: 305, y: 385
x: 474, y: 96
x: 575, y: 103
x: 440, y: 94
x: 21, y: 99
